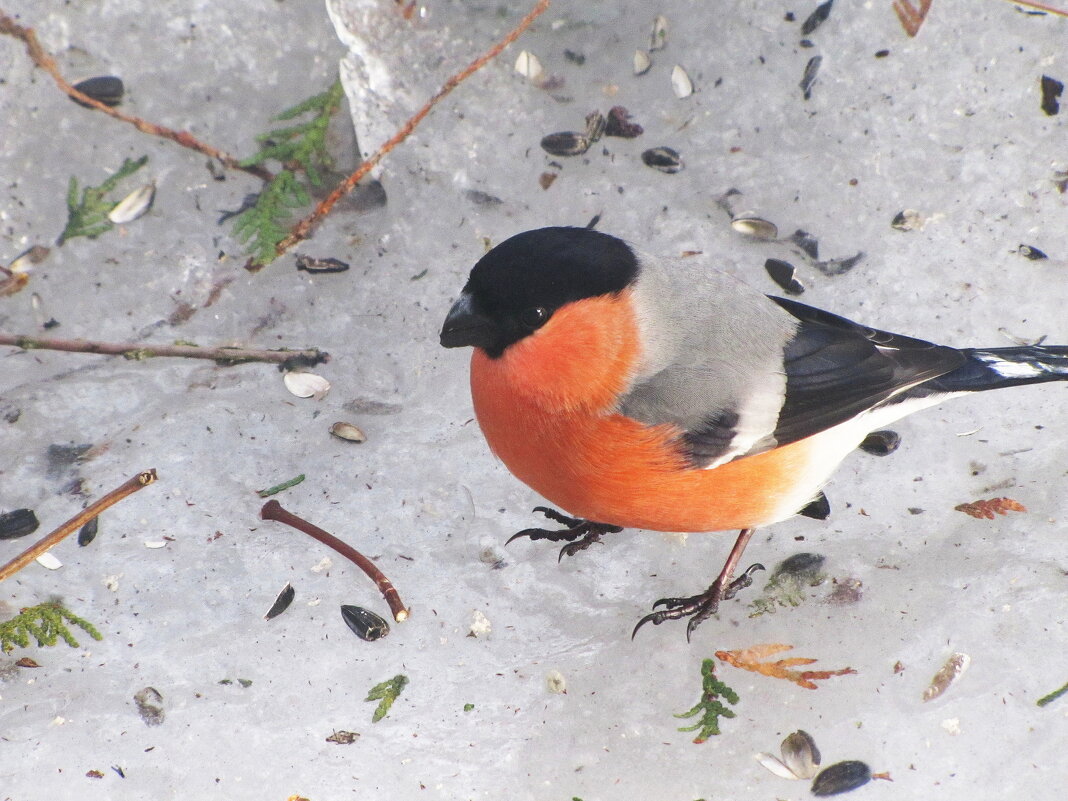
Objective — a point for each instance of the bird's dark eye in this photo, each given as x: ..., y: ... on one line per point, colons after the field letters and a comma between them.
x: 534, y: 317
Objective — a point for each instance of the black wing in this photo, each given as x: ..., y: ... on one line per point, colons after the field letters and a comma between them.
x: 836, y: 369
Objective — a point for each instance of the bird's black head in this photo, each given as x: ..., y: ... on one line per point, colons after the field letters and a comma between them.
x: 516, y: 287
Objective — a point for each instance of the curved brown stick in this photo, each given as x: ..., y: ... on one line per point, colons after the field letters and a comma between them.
x: 88, y: 513
x: 272, y: 510
x: 303, y: 228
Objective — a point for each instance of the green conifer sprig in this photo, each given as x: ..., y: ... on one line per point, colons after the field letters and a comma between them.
x: 88, y: 215
x: 46, y: 623
x: 710, y: 707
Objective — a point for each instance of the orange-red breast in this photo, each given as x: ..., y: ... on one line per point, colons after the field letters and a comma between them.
x: 638, y: 391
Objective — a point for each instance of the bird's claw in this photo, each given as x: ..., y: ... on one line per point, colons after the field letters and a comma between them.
x: 579, y: 534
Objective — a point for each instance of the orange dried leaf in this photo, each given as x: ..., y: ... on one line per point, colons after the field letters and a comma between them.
x: 752, y: 659
x: 13, y: 283
x: 985, y: 510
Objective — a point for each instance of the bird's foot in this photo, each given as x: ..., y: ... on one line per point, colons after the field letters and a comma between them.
x: 580, y: 534
x: 699, y: 607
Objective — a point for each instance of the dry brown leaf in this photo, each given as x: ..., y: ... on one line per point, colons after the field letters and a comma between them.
x: 752, y: 659
x: 985, y: 510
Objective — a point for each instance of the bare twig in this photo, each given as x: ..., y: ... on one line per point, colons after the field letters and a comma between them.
x: 272, y: 510
x: 303, y: 228
x: 88, y: 513
x: 911, y: 18
x: 134, y: 350
x: 45, y: 61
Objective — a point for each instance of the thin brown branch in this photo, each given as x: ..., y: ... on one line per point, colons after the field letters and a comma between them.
x: 272, y: 510
x: 303, y: 228
x: 88, y: 513
x: 44, y: 60
x: 135, y: 350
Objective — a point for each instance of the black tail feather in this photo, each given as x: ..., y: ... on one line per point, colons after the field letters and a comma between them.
x: 993, y: 368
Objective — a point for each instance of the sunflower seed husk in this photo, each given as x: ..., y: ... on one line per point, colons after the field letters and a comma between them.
x: 755, y: 227
x: 841, y: 778
x: 619, y: 124
x: 681, y: 84
x: 949, y: 673
x: 528, y: 65
x: 347, y: 431
x: 1051, y: 90
x: 664, y: 159
x: 1032, y: 253
x: 18, y: 523
x: 306, y: 385
x: 555, y: 682
x: 343, y: 737
x: 807, y: 242
x: 642, y: 62
x: 832, y: 267
x: 108, y: 89
x: 565, y: 143
x: 800, y: 754
x: 785, y: 275
x: 313, y: 265
x: 87, y: 533
x: 775, y: 765
x: 658, y: 36
x: 808, y: 78
x: 25, y: 261
x: 881, y: 443
x: 134, y: 205
x: 364, y: 623
x: 595, y: 125
x: 816, y: 18
x: 282, y: 602
x: 150, y: 706
x: 907, y: 220
x: 48, y: 560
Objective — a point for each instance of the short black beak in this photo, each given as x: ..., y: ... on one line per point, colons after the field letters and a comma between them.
x: 465, y: 327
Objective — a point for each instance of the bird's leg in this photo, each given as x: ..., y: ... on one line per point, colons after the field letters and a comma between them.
x: 701, y: 607
x: 579, y: 534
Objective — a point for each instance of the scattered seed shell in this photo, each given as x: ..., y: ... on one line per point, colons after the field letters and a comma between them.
x: 565, y: 143
x: 108, y: 89
x: 348, y: 431
x: 314, y: 265
x: 134, y: 205
x: 658, y: 36
x: 25, y: 261
x: 949, y: 673
x: 282, y: 602
x: 150, y: 706
x: 364, y: 623
x: 807, y: 242
x: 816, y: 18
x: 1032, y: 253
x: 555, y: 682
x: 528, y: 65
x: 619, y: 124
x: 755, y: 227
x: 87, y: 533
x: 775, y: 765
x: 785, y: 275
x: 832, y: 267
x: 343, y: 737
x: 841, y: 778
x: 681, y: 84
x: 18, y: 523
x: 907, y: 220
x: 155, y: 545
x: 480, y: 624
x: 306, y: 385
x: 1051, y: 90
x: 595, y: 125
x: 808, y: 78
x: 47, y: 559
x: 642, y: 62
x: 800, y: 754
x: 881, y: 443
x: 664, y: 159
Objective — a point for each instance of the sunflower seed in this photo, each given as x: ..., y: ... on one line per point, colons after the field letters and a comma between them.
x: 282, y: 602
x: 809, y: 76
x: 681, y: 84
x: 662, y: 158
x: 1034, y: 254
x: 800, y: 754
x: 1051, y: 90
x: 347, y: 431
x: 18, y: 523
x: 816, y: 18
x: 565, y: 143
x: 949, y: 673
x: 528, y: 65
x: 306, y: 385
x: 755, y: 227
x: 364, y: 623
x: 881, y: 443
x: 775, y: 765
x: 48, y: 560
x: 642, y: 62
x: 87, y: 533
x: 785, y: 275
x: 841, y: 778
x: 658, y: 36
x: 134, y: 205
x: 108, y: 89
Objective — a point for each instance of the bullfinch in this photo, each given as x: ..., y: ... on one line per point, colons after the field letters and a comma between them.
x: 639, y: 391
